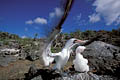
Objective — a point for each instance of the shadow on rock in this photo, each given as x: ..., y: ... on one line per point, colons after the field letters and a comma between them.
x: 45, y: 74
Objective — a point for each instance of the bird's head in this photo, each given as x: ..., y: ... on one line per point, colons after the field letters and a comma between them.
x: 73, y: 41
x: 80, y: 49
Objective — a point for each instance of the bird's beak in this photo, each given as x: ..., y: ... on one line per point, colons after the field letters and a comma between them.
x: 78, y: 41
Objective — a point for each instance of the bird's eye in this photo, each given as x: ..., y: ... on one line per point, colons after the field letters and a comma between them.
x: 74, y: 41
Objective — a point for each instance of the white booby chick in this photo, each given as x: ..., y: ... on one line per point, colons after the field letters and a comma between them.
x: 80, y: 63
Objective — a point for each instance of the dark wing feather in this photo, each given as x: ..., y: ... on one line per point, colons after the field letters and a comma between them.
x: 58, y: 27
x: 56, y: 31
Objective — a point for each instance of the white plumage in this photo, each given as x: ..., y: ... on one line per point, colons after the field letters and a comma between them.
x: 62, y: 57
x: 80, y: 63
x: 45, y: 56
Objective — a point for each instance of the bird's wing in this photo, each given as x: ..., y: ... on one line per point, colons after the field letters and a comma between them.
x: 55, y: 32
x: 46, y: 58
x: 55, y: 54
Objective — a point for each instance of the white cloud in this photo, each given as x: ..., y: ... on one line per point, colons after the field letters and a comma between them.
x: 79, y: 21
x: 57, y: 12
x: 29, y: 22
x: 108, y: 9
x: 94, y: 18
x: 39, y: 20
x: 24, y: 37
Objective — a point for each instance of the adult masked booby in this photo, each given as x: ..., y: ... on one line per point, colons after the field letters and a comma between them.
x: 62, y: 57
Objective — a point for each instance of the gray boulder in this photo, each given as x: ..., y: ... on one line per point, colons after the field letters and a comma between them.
x: 76, y: 76
x: 33, y: 55
x: 80, y: 76
x: 103, y: 57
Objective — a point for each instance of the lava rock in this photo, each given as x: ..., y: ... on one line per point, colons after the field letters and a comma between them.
x: 32, y: 56
x: 75, y: 76
x: 32, y: 71
x: 103, y: 57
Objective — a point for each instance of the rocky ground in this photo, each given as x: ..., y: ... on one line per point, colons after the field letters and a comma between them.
x: 23, y: 62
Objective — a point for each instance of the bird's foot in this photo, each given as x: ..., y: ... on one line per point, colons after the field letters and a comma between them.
x: 64, y: 74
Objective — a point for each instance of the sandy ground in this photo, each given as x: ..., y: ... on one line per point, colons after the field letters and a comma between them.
x: 16, y: 70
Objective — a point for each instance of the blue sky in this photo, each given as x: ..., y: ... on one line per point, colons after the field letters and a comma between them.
x: 27, y: 17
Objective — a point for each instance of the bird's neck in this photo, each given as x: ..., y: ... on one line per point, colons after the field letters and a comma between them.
x: 67, y: 47
x: 66, y: 50
x: 79, y: 55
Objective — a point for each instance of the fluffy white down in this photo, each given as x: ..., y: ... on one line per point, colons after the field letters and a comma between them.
x: 80, y: 63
